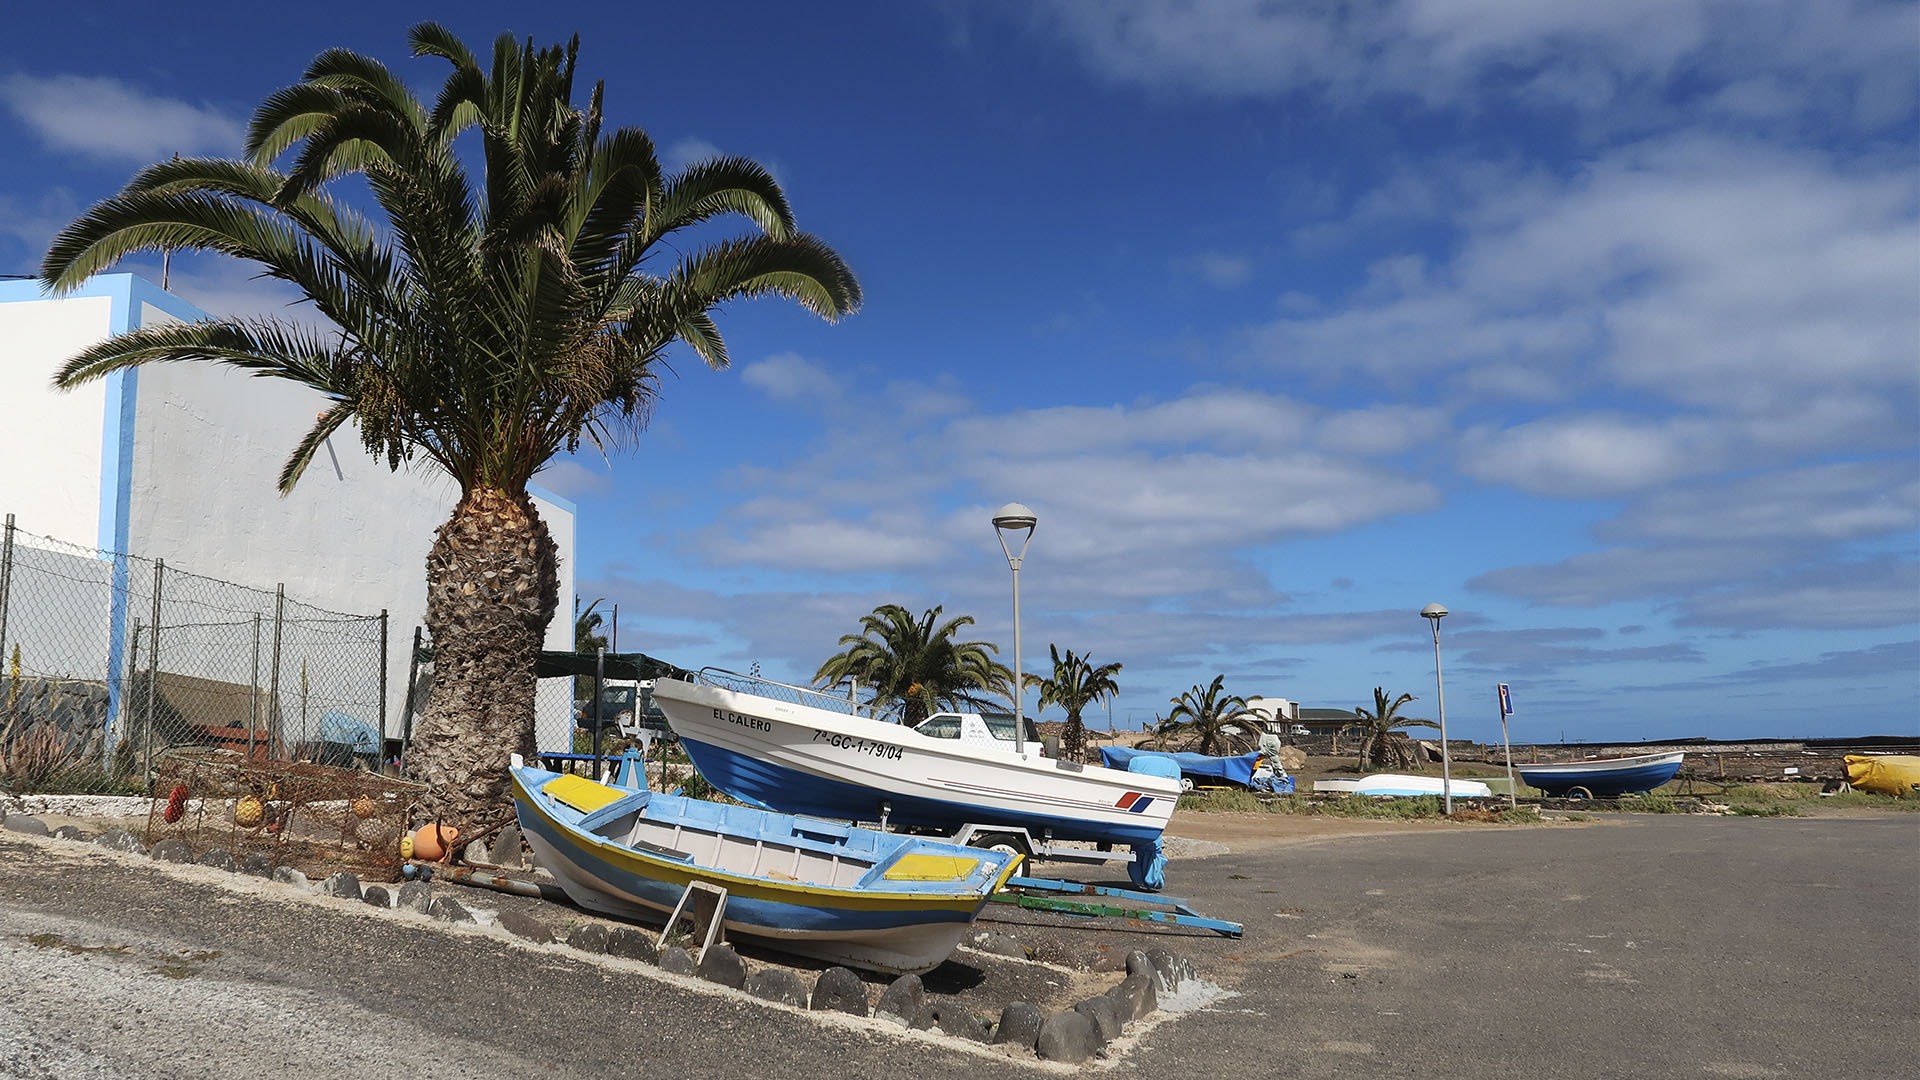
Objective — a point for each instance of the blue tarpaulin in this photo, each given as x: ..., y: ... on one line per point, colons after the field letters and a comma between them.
x: 1234, y: 770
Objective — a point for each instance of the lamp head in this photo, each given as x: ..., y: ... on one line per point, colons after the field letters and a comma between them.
x: 1433, y: 611
x: 1014, y: 516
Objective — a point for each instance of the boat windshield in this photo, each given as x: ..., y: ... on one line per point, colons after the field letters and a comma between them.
x: 1001, y: 724
x: 941, y: 727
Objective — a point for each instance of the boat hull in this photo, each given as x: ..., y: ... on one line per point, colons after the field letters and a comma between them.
x: 804, y: 760
x: 1404, y: 786
x: 1603, y: 776
x: 882, y: 931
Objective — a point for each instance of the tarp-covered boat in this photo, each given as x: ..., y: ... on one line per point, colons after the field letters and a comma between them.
x: 1241, y: 770
x: 1602, y: 776
x: 1887, y: 774
x: 823, y: 759
x: 823, y: 889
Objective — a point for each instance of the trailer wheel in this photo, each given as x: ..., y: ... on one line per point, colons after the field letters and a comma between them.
x: 1006, y: 843
x: 1186, y: 784
x: 1579, y: 793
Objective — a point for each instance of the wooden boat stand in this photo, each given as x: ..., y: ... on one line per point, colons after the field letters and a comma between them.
x: 703, y: 904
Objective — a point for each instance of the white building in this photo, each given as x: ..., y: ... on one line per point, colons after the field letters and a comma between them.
x: 180, y: 462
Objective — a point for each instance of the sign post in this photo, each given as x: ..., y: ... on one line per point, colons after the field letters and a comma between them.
x: 1506, y: 710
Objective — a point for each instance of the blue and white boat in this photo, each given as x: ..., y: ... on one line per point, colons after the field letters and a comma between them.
x: 868, y: 899
x: 1603, y: 776
x: 1404, y: 786
x: 822, y: 758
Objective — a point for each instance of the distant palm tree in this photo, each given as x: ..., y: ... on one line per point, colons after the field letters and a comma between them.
x: 1205, y: 714
x: 1074, y: 685
x: 508, y: 304
x: 587, y: 637
x: 913, y: 666
x: 1377, y: 750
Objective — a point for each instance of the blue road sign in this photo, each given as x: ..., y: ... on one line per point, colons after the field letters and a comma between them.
x: 1506, y: 700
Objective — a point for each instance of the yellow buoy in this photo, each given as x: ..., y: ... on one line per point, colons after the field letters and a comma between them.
x: 249, y: 811
x: 406, y: 845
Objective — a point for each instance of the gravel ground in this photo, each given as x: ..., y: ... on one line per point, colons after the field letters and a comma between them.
x: 1673, y: 946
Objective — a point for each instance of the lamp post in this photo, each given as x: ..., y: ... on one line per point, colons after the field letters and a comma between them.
x: 1010, y: 518
x: 1433, y: 613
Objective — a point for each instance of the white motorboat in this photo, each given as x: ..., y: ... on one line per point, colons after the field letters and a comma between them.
x: 804, y: 752
x: 1402, y: 785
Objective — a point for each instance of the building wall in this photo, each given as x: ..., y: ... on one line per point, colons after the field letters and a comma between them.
x: 50, y: 442
x: 183, y: 463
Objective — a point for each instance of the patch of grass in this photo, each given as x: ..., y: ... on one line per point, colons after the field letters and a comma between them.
x: 1776, y: 810
x: 1577, y: 817
x: 1653, y: 803
x: 1369, y: 807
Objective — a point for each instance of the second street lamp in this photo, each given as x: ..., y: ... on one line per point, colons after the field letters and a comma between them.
x: 1433, y: 613
x: 1014, y: 517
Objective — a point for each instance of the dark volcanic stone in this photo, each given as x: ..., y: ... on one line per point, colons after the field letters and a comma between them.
x: 506, y: 847
x: 170, y: 850
x: 1138, y: 963
x: 1068, y: 1036
x: 287, y: 875
x: 588, y: 937
x: 117, y: 839
x: 71, y: 832
x: 902, y: 1001
x: 1019, y: 1025
x: 1167, y: 966
x: 22, y: 823
x: 449, y: 909
x: 416, y: 895
x: 378, y: 896
x: 677, y: 960
x: 1106, y: 1017
x: 778, y: 984
x: 256, y: 864
x: 219, y: 858
x: 625, y: 941
x: 720, y: 964
x: 958, y: 1022
x: 526, y: 926
x: 1135, y: 997
x: 839, y: 990
x: 343, y: 885
x: 998, y: 944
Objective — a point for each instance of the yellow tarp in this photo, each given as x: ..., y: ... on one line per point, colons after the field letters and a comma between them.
x: 583, y: 794
x: 921, y: 867
x: 1890, y: 774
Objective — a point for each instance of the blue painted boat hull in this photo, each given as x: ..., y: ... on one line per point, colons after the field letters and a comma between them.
x: 763, y: 783
x: 1604, y: 777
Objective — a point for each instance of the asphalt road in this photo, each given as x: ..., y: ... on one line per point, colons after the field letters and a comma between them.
x: 1669, y: 946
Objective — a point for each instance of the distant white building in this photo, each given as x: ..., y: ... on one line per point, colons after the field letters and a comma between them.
x: 180, y: 462
x: 1276, y: 715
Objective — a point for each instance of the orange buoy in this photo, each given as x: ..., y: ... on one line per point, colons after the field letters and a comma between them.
x: 432, y: 841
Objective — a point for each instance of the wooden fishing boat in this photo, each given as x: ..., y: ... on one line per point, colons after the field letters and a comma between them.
x: 1602, y: 776
x: 810, y: 753
x: 860, y: 897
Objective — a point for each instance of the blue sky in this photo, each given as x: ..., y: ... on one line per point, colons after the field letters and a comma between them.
x: 1599, y: 324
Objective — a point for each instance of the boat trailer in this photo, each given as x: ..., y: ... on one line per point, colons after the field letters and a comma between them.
x: 1050, y: 894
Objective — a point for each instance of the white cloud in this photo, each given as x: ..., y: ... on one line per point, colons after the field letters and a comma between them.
x: 571, y: 480
x: 1581, y: 456
x: 791, y: 377
x: 106, y: 118
x: 684, y: 152
x: 1218, y: 268
x: 1848, y: 501
x: 1846, y: 60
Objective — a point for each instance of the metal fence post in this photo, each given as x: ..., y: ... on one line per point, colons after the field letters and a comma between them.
x: 381, y: 710
x: 153, y: 663
x: 406, y: 709
x: 253, y: 690
x: 6, y: 585
x: 275, y: 736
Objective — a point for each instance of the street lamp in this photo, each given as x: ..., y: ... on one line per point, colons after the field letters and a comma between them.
x: 1010, y: 518
x: 1433, y: 613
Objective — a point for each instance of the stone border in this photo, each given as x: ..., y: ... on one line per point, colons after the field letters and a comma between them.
x: 1070, y: 1036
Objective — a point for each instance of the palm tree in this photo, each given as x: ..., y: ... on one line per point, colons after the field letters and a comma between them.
x: 1075, y: 684
x: 587, y: 641
x: 914, y: 666
x: 1206, y: 714
x: 1377, y: 750
x: 486, y: 330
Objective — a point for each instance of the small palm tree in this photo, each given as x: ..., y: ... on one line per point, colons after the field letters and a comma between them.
x: 1205, y: 714
x: 485, y: 328
x: 914, y: 666
x: 587, y: 641
x: 1074, y: 685
x: 1377, y: 749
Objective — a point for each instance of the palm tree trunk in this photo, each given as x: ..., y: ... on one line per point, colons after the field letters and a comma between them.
x: 1073, y: 741
x: 493, y: 584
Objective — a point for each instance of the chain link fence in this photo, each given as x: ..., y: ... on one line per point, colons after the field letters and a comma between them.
x: 108, y: 660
